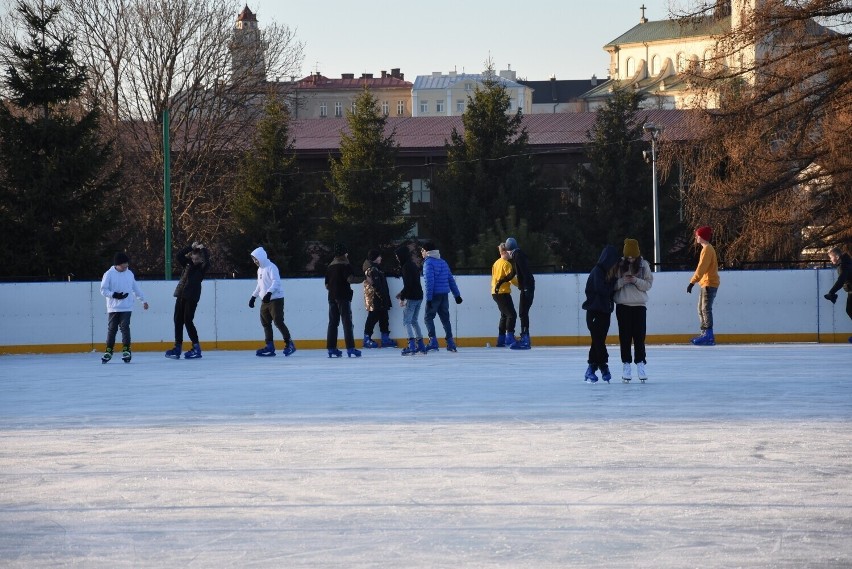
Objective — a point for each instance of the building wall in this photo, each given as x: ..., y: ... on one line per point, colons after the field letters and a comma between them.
x: 752, y: 306
x: 307, y: 103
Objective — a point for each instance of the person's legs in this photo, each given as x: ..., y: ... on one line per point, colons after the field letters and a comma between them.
x: 189, y: 307
x: 623, y: 316
x: 278, y: 318
x: 333, y: 323
x: 370, y: 324
x: 345, y: 309
x: 598, y: 324
x: 429, y: 317
x: 179, y: 319
x: 124, y: 326
x: 526, y: 302
x: 112, y: 329
x: 266, y: 321
x: 443, y: 310
x: 639, y: 329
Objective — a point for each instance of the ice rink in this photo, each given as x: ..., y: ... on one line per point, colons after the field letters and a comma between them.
x: 730, y: 456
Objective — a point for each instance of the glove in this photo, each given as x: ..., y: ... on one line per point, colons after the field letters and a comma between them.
x: 123, y: 295
x: 458, y: 300
x: 267, y: 297
x: 251, y: 302
x: 689, y: 288
x: 831, y: 296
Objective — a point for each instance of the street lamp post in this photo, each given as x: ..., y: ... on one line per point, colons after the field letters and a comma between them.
x: 655, y: 130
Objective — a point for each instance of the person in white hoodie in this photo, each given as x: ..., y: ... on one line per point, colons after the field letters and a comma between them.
x: 631, y: 295
x: 271, y: 293
x: 117, y: 285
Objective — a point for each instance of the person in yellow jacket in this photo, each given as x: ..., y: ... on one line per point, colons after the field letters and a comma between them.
x: 501, y: 291
x: 707, y: 277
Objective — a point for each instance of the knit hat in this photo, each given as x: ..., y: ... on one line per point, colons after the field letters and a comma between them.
x: 340, y: 249
x: 705, y: 232
x: 631, y: 248
x: 373, y: 254
x: 120, y: 259
x: 511, y: 244
x: 429, y: 246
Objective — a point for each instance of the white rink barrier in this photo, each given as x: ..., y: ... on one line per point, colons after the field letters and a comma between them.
x: 751, y: 306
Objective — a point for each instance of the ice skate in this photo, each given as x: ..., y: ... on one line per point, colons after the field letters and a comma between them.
x: 174, y: 353
x: 194, y: 353
x: 640, y: 371
x: 591, y: 377
x: 369, y: 343
x: 627, y: 373
x: 267, y: 351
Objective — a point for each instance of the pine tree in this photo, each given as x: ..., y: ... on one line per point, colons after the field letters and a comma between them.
x: 269, y: 207
x: 56, y: 175
x: 367, y: 188
x: 614, y: 192
x: 489, y: 169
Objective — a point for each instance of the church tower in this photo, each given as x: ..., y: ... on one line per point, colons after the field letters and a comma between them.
x: 247, y: 53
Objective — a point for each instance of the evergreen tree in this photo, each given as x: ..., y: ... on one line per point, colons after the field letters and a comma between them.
x: 368, y: 190
x: 269, y: 207
x: 489, y: 169
x: 483, y: 253
x: 614, y: 191
x: 56, y: 174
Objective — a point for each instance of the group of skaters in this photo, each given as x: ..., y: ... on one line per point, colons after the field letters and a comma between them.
x: 617, y: 283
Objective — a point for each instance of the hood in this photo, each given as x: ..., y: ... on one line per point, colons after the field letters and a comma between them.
x: 434, y: 253
x: 609, y: 257
x: 260, y: 255
x: 402, y: 254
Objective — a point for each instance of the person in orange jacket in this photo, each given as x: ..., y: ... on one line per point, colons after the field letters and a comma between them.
x: 707, y: 277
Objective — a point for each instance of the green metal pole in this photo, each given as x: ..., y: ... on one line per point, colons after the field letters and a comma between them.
x: 167, y: 194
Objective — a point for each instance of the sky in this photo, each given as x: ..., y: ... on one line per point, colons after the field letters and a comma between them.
x: 564, y: 38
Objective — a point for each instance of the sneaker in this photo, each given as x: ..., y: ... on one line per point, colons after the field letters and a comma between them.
x: 174, y: 353
x: 107, y: 356
x: 640, y: 371
x: 194, y: 353
x: 627, y: 373
x: 289, y: 347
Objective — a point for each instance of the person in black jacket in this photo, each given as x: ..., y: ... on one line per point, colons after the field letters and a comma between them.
x: 843, y: 262
x: 377, y: 301
x: 526, y: 284
x: 599, y: 304
x: 195, y: 261
x: 410, y: 298
x: 338, y: 279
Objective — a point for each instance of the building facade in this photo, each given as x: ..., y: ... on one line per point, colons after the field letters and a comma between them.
x: 439, y: 95
x: 320, y: 97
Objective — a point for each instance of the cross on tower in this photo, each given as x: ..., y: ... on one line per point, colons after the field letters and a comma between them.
x: 643, y: 8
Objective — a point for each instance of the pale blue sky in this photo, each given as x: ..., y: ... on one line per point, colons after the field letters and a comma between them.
x: 538, y: 38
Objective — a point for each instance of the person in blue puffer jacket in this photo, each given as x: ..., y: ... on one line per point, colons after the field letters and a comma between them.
x: 439, y: 284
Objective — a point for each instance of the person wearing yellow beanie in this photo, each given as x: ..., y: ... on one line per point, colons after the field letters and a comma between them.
x: 631, y: 297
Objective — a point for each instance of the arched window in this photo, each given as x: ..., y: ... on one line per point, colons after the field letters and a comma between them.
x: 680, y: 64
x: 655, y: 65
x: 708, y: 59
x: 631, y: 67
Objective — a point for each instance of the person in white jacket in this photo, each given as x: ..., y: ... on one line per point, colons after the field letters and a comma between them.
x: 117, y: 284
x: 631, y: 295
x: 272, y: 303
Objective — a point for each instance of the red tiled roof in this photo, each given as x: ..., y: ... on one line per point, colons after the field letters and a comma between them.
x: 323, y: 82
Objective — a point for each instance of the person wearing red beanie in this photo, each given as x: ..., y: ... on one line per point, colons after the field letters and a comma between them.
x: 707, y: 277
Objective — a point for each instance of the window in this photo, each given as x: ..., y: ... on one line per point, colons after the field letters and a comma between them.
x: 420, y: 192
x: 681, y: 62
x: 439, y: 106
x: 424, y: 107
x: 400, y: 108
x: 655, y: 65
x: 460, y: 106
x: 631, y: 67
x: 511, y: 104
x: 385, y: 108
x: 468, y: 86
x: 406, y: 209
x: 338, y: 109
x: 353, y: 107
x: 323, y: 110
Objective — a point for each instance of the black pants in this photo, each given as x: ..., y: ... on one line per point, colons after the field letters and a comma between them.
x: 631, y: 330
x: 849, y: 304
x: 508, y: 315
x: 118, y: 320
x: 184, y: 315
x: 524, y: 305
x: 598, y: 324
x: 273, y: 311
x: 380, y: 316
x: 339, y: 310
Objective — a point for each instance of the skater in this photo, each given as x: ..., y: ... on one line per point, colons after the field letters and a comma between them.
x: 631, y: 295
x: 501, y: 278
x: 195, y: 261
x: 843, y: 262
x: 376, y: 300
x: 117, y: 285
x: 600, y: 288
x: 270, y: 291
x: 707, y: 277
x: 338, y: 280
x: 439, y: 283
x: 526, y: 284
x: 410, y: 298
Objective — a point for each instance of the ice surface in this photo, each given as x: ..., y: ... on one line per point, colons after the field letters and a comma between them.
x: 730, y: 456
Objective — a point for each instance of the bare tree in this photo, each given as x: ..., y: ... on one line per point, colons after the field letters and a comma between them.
x: 772, y: 170
x: 148, y: 56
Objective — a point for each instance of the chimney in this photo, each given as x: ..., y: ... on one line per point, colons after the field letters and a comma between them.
x: 366, y: 76
x: 348, y: 76
x: 594, y: 81
x: 384, y: 74
x: 395, y: 73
